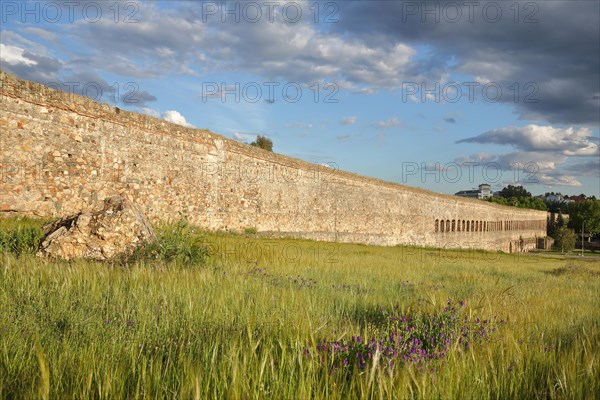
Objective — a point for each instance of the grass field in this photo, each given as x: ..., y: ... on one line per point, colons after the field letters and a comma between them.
x: 294, y: 319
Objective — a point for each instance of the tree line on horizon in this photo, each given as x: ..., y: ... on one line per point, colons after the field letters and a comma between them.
x: 582, y: 215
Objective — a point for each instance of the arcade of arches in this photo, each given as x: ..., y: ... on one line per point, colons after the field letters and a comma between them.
x: 464, y: 225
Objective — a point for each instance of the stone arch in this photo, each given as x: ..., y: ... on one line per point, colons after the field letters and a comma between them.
x: 437, y: 225
x: 447, y: 225
x: 453, y: 225
x: 458, y: 225
x: 442, y: 226
x: 463, y: 225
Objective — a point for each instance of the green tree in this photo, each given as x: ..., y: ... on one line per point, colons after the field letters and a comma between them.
x: 554, y: 226
x: 263, y: 142
x: 538, y: 204
x: 498, y: 200
x: 565, y: 239
x: 587, y: 212
x: 532, y: 202
x: 517, y: 196
x: 553, y: 206
x: 560, y: 220
x: 514, y: 191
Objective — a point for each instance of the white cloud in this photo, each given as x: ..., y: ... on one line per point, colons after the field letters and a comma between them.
x: 178, y: 40
x: 567, y: 141
x: 388, y: 123
x: 588, y: 168
x: 348, y: 120
x: 176, y: 118
x: 151, y: 112
x: 557, y: 180
x: 14, y: 55
x: 27, y: 62
x: 244, y: 137
x: 523, y: 168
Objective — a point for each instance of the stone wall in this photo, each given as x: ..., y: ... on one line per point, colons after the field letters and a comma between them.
x: 63, y: 153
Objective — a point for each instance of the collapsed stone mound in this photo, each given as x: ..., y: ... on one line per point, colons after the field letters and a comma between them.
x: 117, y: 229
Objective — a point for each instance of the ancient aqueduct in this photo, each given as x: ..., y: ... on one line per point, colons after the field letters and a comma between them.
x: 63, y: 153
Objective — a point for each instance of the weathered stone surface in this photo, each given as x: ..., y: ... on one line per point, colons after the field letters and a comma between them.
x: 117, y: 229
x: 71, y: 152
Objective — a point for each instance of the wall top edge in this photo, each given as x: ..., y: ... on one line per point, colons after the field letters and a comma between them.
x: 42, y: 95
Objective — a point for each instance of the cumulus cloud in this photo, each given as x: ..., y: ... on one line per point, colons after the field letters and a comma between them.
x: 32, y: 66
x: 522, y: 168
x: 170, y: 116
x: 547, y: 69
x: 14, y: 55
x: 92, y: 85
x: 51, y: 71
x: 567, y: 141
x: 347, y: 121
x: 543, y: 154
x: 176, y: 118
x: 546, y: 62
x: 151, y: 112
x: 180, y: 39
x: 244, y: 136
x: 388, y: 123
x: 588, y: 168
x: 557, y: 179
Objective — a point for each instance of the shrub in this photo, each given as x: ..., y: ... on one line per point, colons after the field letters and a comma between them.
x: 20, y: 236
x: 180, y: 243
x: 263, y: 143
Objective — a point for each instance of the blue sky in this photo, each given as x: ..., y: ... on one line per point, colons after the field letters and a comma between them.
x: 439, y: 95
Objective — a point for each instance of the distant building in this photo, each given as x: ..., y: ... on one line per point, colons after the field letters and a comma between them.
x: 554, y: 198
x: 577, y: 199
x: 484, y: 192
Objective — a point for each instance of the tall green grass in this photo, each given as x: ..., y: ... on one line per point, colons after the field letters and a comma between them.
x: 155, y: 328
x: 20, y: 235
x: 178, y: 242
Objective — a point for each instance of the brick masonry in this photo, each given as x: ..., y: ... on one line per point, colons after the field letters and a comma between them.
x: 63, y: 153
